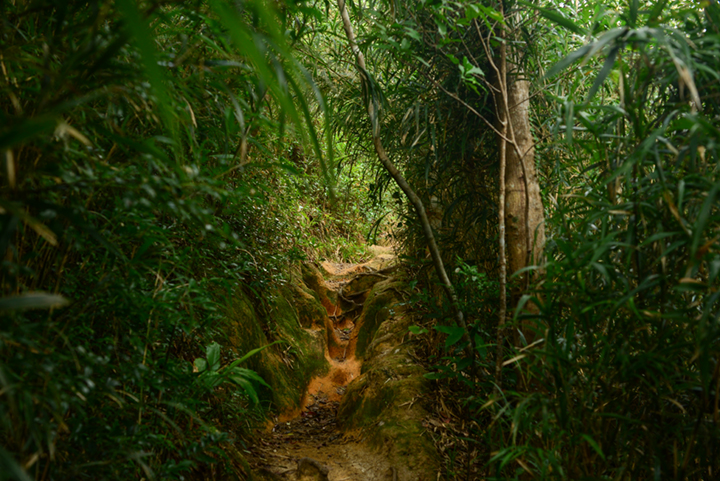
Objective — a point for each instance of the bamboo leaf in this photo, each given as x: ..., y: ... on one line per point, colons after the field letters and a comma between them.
x: 558, y: 18
x: 21, y: 131
x: 32, y: 300
x: 568, y: 60
x: 138, y: 27
x: 252, y: 353
x: 11, y: 468
x: 247, y: 387
x: 607, y: 68
x: 593, y: 444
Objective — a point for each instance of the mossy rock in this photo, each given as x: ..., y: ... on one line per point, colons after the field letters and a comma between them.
x: 357, y: 291
x: 385, y: 404
x: 310, y: 312
x: 384, y: 260
x: 381, y: 303
x: 315, y: 281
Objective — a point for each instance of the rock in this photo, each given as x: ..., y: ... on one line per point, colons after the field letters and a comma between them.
x: 310, y: 470
x: 264, y: 474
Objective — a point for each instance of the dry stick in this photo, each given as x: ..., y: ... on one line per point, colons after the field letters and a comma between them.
x: 504, y: 118
x: 404, y: 186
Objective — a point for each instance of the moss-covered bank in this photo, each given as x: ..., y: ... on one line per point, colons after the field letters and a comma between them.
x: 290, y: 314
x: 386, y: 402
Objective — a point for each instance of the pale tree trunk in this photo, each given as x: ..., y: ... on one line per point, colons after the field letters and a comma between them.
x: 503, y: 129
x: 524, y: 213
x: 522, y: 219
x: 524, y: 216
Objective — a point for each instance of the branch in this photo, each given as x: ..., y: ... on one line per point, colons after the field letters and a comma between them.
x: 504, y: 119
x: 403, y: 184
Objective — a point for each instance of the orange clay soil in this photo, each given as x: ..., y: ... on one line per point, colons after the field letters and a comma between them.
x: 344, y: 367
x: 311, y: 431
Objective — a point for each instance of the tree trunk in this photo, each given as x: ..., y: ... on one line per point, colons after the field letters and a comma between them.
x: 524, y: 213
x: 524, y: 216
x: 524, y: 219
x: 503, y: 131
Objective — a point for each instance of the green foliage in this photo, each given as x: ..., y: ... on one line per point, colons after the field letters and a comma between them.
x: 478, y: 295
x: 624, y: 381
x: 143, y: 182
x: 211, y: 375
x: 158, y: 156
x: 420, y: 62
x: 621, y: 377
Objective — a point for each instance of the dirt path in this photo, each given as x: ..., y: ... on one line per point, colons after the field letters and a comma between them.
x: 309, y: 445
x: 315, y: 436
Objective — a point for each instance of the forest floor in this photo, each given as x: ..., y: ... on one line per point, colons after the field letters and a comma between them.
x: 309, y: 445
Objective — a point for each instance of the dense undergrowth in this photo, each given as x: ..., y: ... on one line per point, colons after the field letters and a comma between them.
x: 154, y: 162
x: 159, y: 156
x: 614, y: 369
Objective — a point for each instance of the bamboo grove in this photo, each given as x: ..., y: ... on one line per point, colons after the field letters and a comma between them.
x: 554, y: 195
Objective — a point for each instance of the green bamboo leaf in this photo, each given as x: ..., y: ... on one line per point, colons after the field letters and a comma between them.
x: 22, y: 131
x: 247, y: 387
x: 703, y: 219
x: 607, y: 68
x: 213, y: 356
x: 253, y: 46
x: 252, y: 353
x: 569, y: 121
x: 138, y: 27
x: 593, y: 444
x: 567, y: 61
x: 40, y: 229
x: 327, y: 174
x: 250, y: 374
x: 558, y: 18
x: 605, y: 40
x: 10, y: 468
x: 602, y: 270
x: 32, y: 300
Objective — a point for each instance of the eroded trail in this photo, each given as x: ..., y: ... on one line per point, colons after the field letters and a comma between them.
x: 315, y: 436
x: 308, y: 444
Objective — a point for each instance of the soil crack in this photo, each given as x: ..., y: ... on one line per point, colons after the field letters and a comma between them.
x: 310, y: 445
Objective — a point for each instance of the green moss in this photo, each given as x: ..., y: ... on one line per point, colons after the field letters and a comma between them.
x: 289, y: 366
x: 360, y: 284
x: 308, y: 308
x: 386, y: 401
x: 314, y: 280
x: 378, y: 392
x: 379, y: 305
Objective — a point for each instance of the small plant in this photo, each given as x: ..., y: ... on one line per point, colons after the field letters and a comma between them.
x: 211, y: 374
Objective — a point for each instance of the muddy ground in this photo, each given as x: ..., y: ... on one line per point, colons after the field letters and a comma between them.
x: 312, y: 442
